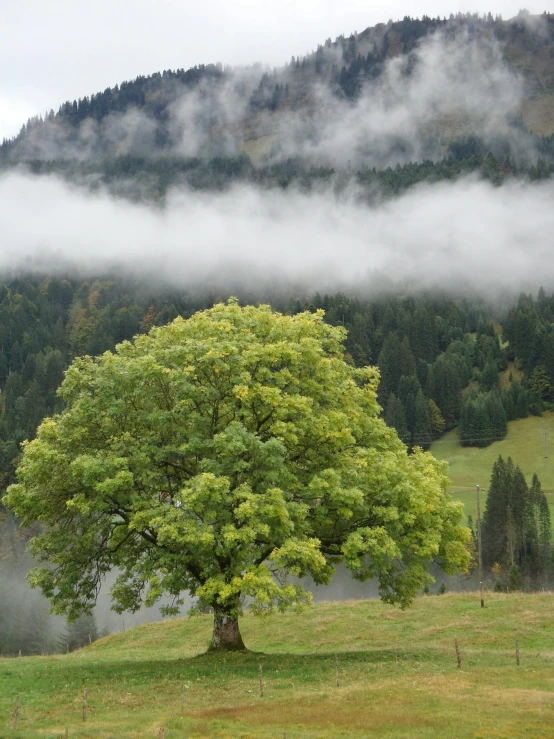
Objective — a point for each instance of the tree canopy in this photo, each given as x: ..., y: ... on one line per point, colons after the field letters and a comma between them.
x: 224, y: 455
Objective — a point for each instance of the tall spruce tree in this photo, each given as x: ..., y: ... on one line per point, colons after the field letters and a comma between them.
x: 494, y: 537
x: 516, y: 523
x: 396, y: 418
x: 423, y: 423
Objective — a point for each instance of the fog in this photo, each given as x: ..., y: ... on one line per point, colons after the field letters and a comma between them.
x: 454, y: 83
x: 465, y: 235
x: 344, y: 587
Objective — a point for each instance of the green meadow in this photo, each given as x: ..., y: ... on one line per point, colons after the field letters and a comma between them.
x: 524, y: 443
x: 398, y: 676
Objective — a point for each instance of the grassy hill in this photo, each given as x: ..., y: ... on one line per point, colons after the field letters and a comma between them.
x: 135, y: 679
x: 524, y: 443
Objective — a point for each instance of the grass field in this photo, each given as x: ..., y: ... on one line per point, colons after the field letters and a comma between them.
x: 135, y: 679
x: 524, y: 443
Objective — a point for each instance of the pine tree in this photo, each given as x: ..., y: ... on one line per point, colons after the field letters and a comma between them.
x: 446, y: 388
x: 437, y: 421
x: 516, y: 524
x: 489, y: 376
x: 78, y: 634
x: 408, y: 388
x: 497, y: 415
x: 482, y: 430
x: 423, y: 424
x: 544, y: 535
x: 396, y: 418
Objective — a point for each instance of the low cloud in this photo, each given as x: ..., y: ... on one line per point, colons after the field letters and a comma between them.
x: 455, y: 82
x: 460, y: 236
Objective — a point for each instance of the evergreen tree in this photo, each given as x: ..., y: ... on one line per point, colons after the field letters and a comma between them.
x: 408, y: 388
x: 516, y: 523
x: 489, y: 376
x: 497, y: 415
x: 78, y: 634
x: 396, y: 418
x: 446, y: 388
x: 423, y: 423
x: 437, y: 421
x: 494, y: 535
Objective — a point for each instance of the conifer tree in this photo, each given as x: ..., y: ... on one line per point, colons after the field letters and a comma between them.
x: 423, y: 426
x: 516, y: 524
x: 78, y: 633
x: 408, y: 388
x: 495, y: 515
x: 396, y: 418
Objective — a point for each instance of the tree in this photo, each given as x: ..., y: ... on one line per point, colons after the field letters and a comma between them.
x: 221, y: 455
x: 396, y: 418
x: 423, y: 422
x: 516, y: 523
x: 78, y: 633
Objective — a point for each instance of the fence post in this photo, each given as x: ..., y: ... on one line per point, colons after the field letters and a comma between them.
x: 337, y: 670
x: 85, y: 704
x: 517, y: 652
x: 261, y: 681
x: 458, y: 657
x: 16, y: 713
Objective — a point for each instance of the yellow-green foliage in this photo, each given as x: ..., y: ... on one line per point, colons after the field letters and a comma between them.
x: 211, y: 452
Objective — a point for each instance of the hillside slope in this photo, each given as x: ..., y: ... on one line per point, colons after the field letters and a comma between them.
x: 393, y: 93
x: 524, y: 443
x: 154, y: 676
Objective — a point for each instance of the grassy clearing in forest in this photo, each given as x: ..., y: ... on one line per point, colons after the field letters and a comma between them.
x: 134, y: 679
x: 524, y: 443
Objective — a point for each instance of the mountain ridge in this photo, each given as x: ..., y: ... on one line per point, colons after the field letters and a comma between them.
x: 271, y: 115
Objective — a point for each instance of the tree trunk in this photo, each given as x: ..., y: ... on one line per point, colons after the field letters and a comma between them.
x: 226, y: 634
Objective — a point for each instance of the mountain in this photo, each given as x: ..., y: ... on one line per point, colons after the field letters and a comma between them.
x: 397, y: 93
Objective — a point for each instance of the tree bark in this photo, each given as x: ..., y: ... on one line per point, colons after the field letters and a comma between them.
x: 226, y: 634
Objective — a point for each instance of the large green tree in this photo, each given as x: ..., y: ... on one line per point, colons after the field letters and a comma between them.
x: 222, y: 455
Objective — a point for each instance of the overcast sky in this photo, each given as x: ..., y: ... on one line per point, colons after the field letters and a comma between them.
x: 65, y: 49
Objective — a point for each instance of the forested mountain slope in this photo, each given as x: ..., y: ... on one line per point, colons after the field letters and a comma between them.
x: 440, y: 358
x: 446, y: 92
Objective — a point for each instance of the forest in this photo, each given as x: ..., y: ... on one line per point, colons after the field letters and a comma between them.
x: 444, y: 363
x: 441, y: 359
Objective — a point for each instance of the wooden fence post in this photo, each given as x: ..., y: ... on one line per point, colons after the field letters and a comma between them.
x: 16, y: 713
x: 182, y: 697
x: 261, y: 681
x: 517, y: 652
x: 162, y: 732
x: 458, y: 657
x: 396, y: 655
x: 337, y: 677
x: 85, y: 704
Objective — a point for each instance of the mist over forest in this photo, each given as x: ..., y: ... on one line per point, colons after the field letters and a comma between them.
x: 400, y: 179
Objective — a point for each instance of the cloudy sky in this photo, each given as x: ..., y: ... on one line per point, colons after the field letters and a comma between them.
x: 65, y: 49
